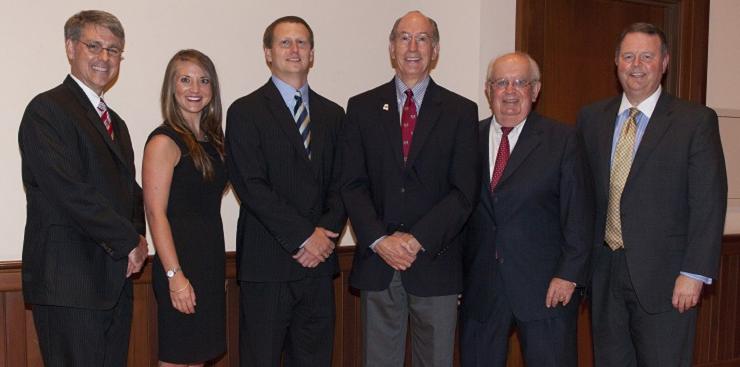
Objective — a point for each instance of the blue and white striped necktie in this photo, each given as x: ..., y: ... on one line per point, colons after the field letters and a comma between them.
x: 300, y: 115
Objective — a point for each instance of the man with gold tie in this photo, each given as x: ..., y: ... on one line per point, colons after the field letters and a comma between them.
x: 660, y: 191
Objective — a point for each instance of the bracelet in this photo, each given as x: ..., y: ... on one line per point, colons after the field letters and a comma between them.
x: 181, y: 289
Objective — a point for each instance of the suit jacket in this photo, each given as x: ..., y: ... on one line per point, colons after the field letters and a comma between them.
x: 283, y: 194
x: 538, y: 219
x: 675, y: 198
x: 84, y: 207
x: 431, y: 196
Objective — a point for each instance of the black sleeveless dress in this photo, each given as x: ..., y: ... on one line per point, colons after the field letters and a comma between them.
x: 194, y: 213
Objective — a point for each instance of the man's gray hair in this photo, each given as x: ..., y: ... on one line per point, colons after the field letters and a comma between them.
x: 74, y: 25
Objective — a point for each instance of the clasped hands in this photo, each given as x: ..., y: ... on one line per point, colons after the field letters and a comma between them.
x: 398, y: 250
x: 317, y: 248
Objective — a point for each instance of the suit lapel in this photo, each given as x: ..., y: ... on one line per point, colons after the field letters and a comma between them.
x: 483, y: 146
x: 283, y: 117
x: 390, y: 119
x: 431, y: 109
x: 656, y: 128
x: 318, y: 131
x: 605, y: 139
x: 529, y: 139
x: 93, y: 118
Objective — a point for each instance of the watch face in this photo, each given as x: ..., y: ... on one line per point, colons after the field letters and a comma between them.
x: 170, y: 273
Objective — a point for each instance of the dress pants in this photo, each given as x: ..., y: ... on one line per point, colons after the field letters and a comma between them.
x: 624, y: 335
x: 385, y: 315
x: 289, y: 320
x: 545, y: 343
x: 71, y: 336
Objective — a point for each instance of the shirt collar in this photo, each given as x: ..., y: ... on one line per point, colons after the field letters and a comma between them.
x: 288, y: 92
x: 419, y: 89
x: 646, y: 107
x: 496, y: 126
x: 94, y: 98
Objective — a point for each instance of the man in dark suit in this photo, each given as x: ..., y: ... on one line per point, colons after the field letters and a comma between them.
x: 660, y: 191
x: 528, y: 240
x: 85, y: 220
x: 409, y: 184
x: 283, y: 165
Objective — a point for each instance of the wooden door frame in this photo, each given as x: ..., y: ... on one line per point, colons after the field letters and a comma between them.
x: 687, y: 27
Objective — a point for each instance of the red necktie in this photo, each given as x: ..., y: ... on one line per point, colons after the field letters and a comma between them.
x: 408, y: 123
x: 105, y: 117
x: 502, y: 157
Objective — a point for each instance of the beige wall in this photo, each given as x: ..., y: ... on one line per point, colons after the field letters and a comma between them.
x: 723, y: 80
x: 351, y: 56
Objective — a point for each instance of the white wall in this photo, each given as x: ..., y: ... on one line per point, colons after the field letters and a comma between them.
x: 351, y: 56
x: 723, y: 80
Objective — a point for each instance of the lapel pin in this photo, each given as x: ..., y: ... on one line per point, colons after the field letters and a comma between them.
x: 385, y: 107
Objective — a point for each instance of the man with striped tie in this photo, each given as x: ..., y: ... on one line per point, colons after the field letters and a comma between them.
x: 283, y: 165
x: 85, y: 217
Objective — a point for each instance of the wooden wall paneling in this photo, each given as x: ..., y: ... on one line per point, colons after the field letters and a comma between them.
x: 717, y: 341
x: 33, y: 353
x: 15, y: 315
x: 3, y: 333
x: 574, y: 43
x: 692, y: 61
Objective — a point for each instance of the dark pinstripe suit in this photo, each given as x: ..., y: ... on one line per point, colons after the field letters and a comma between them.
x: 284, y: 196
x: 84, y: 207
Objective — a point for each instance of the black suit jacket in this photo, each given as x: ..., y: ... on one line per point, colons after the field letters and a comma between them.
x: 538, y: 219
x: 431, y: 196
x: 675, y: 198
x: 283, y: 194
x: 84, y: 207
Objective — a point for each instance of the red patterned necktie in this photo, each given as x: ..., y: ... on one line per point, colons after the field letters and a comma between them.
x: 105, y: 118
x: 502, y: 157
x: 408, y: 123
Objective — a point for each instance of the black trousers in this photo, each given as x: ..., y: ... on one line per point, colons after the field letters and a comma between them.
x: 83, y: 337
x: 545, y: 343
x: 289, y: 320
x: 624, y: 335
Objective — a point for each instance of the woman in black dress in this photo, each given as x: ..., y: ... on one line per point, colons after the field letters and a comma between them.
x: 184, y: 179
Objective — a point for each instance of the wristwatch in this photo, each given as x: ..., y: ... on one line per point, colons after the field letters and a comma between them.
x: 171, y: 273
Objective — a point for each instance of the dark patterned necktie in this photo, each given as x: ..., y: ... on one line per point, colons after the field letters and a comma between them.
x: 105, y: 118
x: 502, y: 157
x: 408, y: 123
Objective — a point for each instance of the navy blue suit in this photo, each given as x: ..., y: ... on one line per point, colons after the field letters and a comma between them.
x: 534, y: 226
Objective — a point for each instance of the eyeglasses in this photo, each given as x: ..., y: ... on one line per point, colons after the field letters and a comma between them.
x: 96, y: 48
x: 288, y: 43
x: 421, y: 38
x: 517, y: 83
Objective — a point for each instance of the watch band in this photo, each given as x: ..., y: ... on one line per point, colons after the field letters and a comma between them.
x: 171, y: 273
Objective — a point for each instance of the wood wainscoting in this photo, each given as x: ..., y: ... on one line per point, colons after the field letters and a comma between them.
x: 717, y: 338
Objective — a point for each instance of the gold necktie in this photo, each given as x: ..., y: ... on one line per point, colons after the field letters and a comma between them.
x: 621, y: 163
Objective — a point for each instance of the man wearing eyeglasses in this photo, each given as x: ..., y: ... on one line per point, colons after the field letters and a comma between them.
x: 281, y: 143
x: 527, y: 243
x: 85, y: 222
x: 409, y: 186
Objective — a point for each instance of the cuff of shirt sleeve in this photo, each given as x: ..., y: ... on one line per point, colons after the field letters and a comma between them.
x: 698, y: 277
x: 372, y: 245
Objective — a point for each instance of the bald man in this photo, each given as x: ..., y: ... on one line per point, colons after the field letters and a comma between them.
x: 527, y: 241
